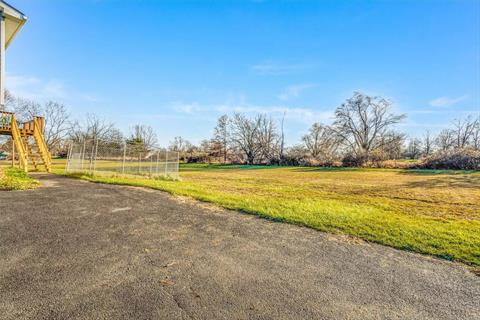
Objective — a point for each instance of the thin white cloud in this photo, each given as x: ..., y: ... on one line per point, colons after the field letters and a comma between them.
x: 294, y: 91
x: 34, y: 88
x: 301, y: 114
x: 447, y: 101
x: 274, y: 69
x: 41, y: 90
x: 54, y: 88
x: 188, y: 108
x: 90, y: 97
x: 306, y: 115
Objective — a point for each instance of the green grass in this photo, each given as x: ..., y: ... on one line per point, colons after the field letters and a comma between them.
x: 431, y: 212
x: 16, y: 179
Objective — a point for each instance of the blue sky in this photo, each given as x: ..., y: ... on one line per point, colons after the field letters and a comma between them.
x: 178, y: 65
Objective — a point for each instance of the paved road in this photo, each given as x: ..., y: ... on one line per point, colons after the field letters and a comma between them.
x: 78, y: 250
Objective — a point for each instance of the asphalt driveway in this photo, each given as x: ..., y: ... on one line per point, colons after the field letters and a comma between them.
x: 78, y: 250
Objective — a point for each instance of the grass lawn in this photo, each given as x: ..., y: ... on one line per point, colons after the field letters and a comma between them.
x: 16, y: 179
x: 426, y: 211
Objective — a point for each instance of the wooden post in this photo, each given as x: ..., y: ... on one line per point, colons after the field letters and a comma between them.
x: 13, y: 153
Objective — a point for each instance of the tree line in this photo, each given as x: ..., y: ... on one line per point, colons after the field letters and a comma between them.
x: 363, y: 133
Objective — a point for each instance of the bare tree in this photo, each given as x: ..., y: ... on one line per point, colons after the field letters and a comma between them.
x: 94, y: 128
x: 464, y: 131
x: 9, y: 101
x: 245, y: 134
x: 391, y: 145
x: 427, y: 144
x: 414, y: 148
x: 56, y: 124
x: 268, y: 139
x: 143, y: 137
x: 476, y: 135
x: 445, y: 140
x: 25, y: 109
x: 361, y: 122
x: 321, y: 141
x: 179, y: 144
x: 221, y: 135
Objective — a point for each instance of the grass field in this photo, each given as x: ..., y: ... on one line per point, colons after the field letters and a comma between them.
x: 15, y: 179
x: 426, y: 211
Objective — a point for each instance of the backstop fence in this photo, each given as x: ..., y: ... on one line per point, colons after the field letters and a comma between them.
x: 98, y: 157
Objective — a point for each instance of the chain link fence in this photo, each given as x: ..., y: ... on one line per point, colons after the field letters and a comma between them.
x: 97, y: 157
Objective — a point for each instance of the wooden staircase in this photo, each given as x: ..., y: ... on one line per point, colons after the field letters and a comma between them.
x: 18, y: 143
x: 41, y: 145
x: 36, y: 153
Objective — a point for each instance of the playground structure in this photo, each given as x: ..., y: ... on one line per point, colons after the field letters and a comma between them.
x: 28, y: 141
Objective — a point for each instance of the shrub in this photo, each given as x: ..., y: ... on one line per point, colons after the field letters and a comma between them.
x: 458, y: 159
x: 353, y: 160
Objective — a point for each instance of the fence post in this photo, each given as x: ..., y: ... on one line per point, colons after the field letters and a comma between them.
x: 124, y: 156
x: 139, y: 161
x: 69, y: 157
x: 90, y: 165
x: 166, y: 162
x: 150, y: 158
x: 95, y: 159
x: 158, y: 156
x: 82, y: 156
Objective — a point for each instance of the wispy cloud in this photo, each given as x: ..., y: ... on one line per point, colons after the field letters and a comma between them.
x: 189, y: 108
x: 35, y: 88
x: 294, y: 91
x: 447, y: 101
x: 31, y: 87
x: 270, y: 68
x: 90, y: 97
x: 306, y: 115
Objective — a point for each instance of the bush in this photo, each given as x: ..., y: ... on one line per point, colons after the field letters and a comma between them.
x: 353, y: 160
x: 459, y: 159
x: 395, y: 164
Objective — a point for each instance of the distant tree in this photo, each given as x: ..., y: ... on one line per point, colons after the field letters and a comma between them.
x: 179, y: 144
x: 476, y: 135
x: 25, y: 109
x: 464, y: 130
x: 390, y: 146
x: 414, y: 148
x: 268, y: 139
x: 321, y: 141
x: 245, y: 136
x: 427, y: 144
x: 9, y: 101
x: 445, y: 140
x: 142, y: 137
x: 57, y: 124
x: 96, y: 129
x: 221, y: 135
x: 362, y: 121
